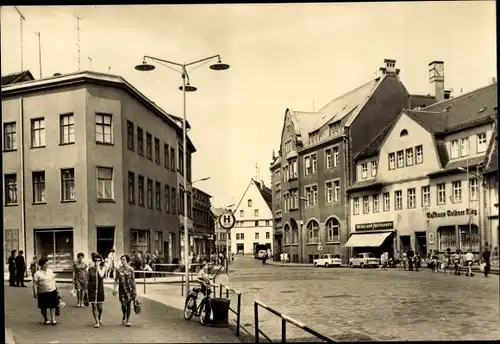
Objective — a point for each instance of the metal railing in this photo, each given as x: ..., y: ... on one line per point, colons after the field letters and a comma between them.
x: 284, y: 320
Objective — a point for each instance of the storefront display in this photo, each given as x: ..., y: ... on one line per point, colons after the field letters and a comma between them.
x: 57, y: 246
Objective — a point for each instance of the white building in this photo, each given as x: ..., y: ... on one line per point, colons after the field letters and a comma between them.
x: 254, y: 219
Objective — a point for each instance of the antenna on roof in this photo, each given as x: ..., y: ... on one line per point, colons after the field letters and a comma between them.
x: 39, y: 53
x: 78, y: 39
x: 21, y: 20
x: 109, y: 69
x: 314, y: 110
x: 90, y: 62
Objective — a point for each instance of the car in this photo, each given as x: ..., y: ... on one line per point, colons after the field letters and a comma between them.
x: 364, y: 259
x: 328, y: 260
x: 260, y: 254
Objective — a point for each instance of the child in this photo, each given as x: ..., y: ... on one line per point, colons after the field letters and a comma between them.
x: 33, y: 267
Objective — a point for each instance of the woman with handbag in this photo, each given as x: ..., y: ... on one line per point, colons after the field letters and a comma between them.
x: 45, y: 290
x: 127, y: 291
x: 95, y: 289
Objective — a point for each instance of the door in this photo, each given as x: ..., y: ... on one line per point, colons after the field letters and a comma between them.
x: 405, y: 243
x: 11, y: 242
x: 105, y: 240
x: 421, y: 244
x: 166, y: 252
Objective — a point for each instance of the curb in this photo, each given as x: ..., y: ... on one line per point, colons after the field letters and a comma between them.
x: 9, y: 336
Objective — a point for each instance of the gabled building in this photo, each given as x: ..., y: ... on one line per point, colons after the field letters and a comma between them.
x: 419, y: 182
x: 15, y: 78
x: 202, y: 221
x: 315, y: 163
x: 254, y: 220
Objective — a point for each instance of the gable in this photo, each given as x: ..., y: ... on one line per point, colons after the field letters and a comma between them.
x: 253, y: 193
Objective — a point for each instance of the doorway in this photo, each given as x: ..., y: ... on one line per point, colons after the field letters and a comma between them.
x: 240, y: 248
x: 405, y: 243
x: 421, y: 244
x: 105, y: 240
x: 166, y: 252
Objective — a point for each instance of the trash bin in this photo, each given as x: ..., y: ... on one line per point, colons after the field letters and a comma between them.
x: 220, y: 312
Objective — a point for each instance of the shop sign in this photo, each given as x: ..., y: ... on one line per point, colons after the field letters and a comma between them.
x: 374, y: 226
x: 431, y: 238
x: 451, y: 213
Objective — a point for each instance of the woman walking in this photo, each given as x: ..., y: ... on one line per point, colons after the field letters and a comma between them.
x: 127, y: 292
x: 44, y: 289
x: 96, y: 288
x: 80, y: 278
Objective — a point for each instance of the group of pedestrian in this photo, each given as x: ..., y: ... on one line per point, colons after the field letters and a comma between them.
x: 17, y: 269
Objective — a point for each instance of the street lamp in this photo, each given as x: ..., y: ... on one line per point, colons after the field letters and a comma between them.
x: 301, y: 244
x: 466, y: 170
x: 186, y: 87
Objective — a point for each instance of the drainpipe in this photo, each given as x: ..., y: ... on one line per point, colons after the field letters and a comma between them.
x: 347, y: 174
x: 22, y: 183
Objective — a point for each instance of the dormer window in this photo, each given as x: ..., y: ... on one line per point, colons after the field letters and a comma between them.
x: 374, y: 168
x: 403, y: 132
x: 364, y: 170
x: 335, y: 129
x: 288, y: 146
x: 249, y: 203
x: 314, y: 137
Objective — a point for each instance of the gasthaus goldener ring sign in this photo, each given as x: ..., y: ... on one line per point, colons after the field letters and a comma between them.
x: 227, y: 220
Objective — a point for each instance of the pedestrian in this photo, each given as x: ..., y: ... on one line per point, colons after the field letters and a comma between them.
x: 12, y: 268
x: 486, y: 261
x: 456, y: 261
x: 410, y: 254
x: 80, y: 274
x: 33, y: 267
x: 127, y: 291
x: 45, y: 290
x: 447, y: 260
x: 95, y: 288
x: 435, y: 260
x: 383, y: 261
x: 417, y: 261
x: 469, y: 259
x: 20, y: 269
x: 404, y: 261
x: 111, y: 262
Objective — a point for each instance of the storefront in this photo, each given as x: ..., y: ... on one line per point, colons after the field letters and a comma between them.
x: 140, y: 240
x: 57, y: 246
x: 374, y: 237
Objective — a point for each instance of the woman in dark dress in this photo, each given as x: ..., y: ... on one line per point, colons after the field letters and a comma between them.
x: 96, y: 287
x: 12, y: 268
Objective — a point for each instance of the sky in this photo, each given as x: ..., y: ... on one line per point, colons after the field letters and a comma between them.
x: 297, y: 56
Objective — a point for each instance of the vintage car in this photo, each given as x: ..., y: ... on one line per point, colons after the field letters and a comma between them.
x: 328, y: 260
x: 364, y: 260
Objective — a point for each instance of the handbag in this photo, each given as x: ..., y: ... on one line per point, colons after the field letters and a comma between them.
x: 137, y: 307
x: 86, y: 299
x: 482, y: 266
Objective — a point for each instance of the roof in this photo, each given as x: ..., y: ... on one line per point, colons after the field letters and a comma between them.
x: 217, y: 211
x: 363, y: 184
x: 454, y: 166
x: 491, y: 160
x: 202, y: 192
x: 96, y: 78
x: 15, y: 78
x: 373, y: 147
x: 419, y: 100
x: 266, y: 193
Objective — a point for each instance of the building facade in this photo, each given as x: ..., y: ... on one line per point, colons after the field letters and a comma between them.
x: 254, y: 220
x: 315, y: 164
x: 491, y: 196
x: 89, y: 165
x: 222, y: 236
x: 419, y: 184
x: 202, y: 221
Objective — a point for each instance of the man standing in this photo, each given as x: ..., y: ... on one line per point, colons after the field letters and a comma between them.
x: 410, y: 255
x: 20, y: 269
x: 486, y: 260
x: 12, y: 268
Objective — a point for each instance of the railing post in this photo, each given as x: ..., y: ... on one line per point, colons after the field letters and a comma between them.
x: 182, y: 286
x: 283, y: 330
x: 144, y: 274
x: 238, y: 317
x: 256, y: 321
x: 227, y: 293
x: 220, y: 290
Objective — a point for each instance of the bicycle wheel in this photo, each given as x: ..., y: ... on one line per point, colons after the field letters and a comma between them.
x: 189, y: 307
x: 205, y: 311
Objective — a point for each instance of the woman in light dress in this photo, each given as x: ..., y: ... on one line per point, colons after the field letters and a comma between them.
x: 45, y: 290
x: 95, y: 279
x: 126, y: 288
x: 80, y: 278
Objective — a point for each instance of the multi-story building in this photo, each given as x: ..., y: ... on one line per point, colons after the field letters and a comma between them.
x: 314, y: 165
x: 222, y: 236
x: 254, y: 220
x: 89, y: 165
x: 202, y: 221
x: 419, y: 183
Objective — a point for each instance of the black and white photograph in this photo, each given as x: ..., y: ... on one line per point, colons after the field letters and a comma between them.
x: 250, y: 172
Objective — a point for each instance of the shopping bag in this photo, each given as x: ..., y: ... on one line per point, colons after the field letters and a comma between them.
x: 86, y: 299
x: 137, y: 307
x: 482, y: 266
x: 443, y: 265
x: 73, y: 292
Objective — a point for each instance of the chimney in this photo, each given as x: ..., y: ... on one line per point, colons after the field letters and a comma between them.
x: 436, y: 77
x: 447, y: 94
x: 389, y: 67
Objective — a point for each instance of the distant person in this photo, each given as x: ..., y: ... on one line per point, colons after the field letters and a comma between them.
x: 410, y: 254
x: 12, y: 268
x: 447, y: 260
x: 111, y: 262
x: 486, y: 261
x: 33, y: 267
x: 469, y: 259
x: 456, y: 262
x: 20, y: 269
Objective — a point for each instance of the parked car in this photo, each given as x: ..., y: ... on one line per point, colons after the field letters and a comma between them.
x: 328, y: 260
x: 364, y: 259
x: 260, y: 254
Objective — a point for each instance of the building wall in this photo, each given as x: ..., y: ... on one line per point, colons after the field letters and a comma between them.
x: 492, y: 211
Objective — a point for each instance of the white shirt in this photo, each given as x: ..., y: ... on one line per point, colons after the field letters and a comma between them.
x: 45, y: 281
x: 469, y: 256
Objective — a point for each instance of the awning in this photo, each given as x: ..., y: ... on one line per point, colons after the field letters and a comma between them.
x: 367, y: 239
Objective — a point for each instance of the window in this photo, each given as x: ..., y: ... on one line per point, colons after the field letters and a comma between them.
x: 366, y: 204
x: 328, y: 158
x: 242, y: 213
x: 398, y: 200
x: 149, y: 189
x: 387, y: 201
x: 412, y: 198
x: 242, y: 236
x: 286, y: 235
x: 256, y: 212
x: 310, y: 164
x: 426, y: 196
x: 141, y: 190
x: 249, y: 202
x: 355, y: 207
x: 104, y: 183
x: 364, y: 170
x: 401, y: 158
x: 256, y: 236
x: 172, y: 158
x: 311, y: 195
x: 473, y: 189
x: 336, y: 191
x: 158, y: 195
x: 268, y: 235
x: 481, y: 142
x: 329, y: 192
x: 188, y: 167
x: 131, y: 187
x: 180, y: 163
x: 457, y: 191
x: 237, y: 236
x: 293, y: 169
x: 9, y: 136
x: 403, y: 132
x: 130, y: 135
x: 67, y: 129
x: 38, y: 132
x: 286, y: 202
x: 392, y: 161
x: 447, y: 238
x: 374, y: 168
x: 157, y: 150
x: 376, y: 203
x: 332, y: 230
x: 165, y: 155
x: 335, y: 156
x: 38, y: 187
x: 464, y: 146
x: 441, y: 193
x: 149, y: 146
x: 173, y: 204
x: 312, y: 232
x: 454, y: 149
x: 140, y: 141
x: 419, y: 154
x: 103, y: 128
x: 10, y: 189
x: 409, y: 156
x: 68, y: 184
x: 313, y: 163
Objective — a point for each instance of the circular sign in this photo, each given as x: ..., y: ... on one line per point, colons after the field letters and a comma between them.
x: 431, y: 238
x: 227, y: 220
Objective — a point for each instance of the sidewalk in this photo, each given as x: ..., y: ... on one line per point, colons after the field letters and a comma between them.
x: 140, y: 280
x: 157, y: 323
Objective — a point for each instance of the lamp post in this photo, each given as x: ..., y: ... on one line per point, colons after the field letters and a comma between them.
x: 301, y: 243
x: 186, y: 87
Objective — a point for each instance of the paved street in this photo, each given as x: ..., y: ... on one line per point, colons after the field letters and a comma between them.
x: 156, y: 324
x: 354, y: 304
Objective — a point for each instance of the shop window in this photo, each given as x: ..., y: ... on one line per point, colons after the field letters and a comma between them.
x: 139, y: 240
x: 105, y: 240
x: 447, y: 238
x: 466, y: 233
x: 57, y: 246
